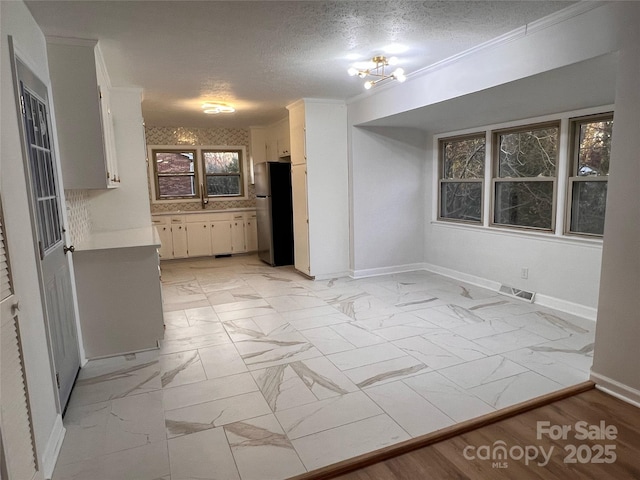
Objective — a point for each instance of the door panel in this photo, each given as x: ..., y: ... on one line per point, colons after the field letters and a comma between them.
x: 300, y: 219
x: 15, y: 418
x: 46, y: 208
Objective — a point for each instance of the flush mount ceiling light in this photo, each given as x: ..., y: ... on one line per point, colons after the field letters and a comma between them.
x: 215, y: 108
x: 377, y: 70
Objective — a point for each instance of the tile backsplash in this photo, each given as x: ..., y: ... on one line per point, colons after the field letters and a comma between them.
x: 201, y: 136
x: 78, y: 218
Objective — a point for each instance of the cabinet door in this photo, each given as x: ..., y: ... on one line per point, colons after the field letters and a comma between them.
x: 237, y: 235
x: 179, y: 239
x: 300, y: 219
x: 221, y: 237
x: 166, y: 242
x: 251, y: 231
x: 198, y: 239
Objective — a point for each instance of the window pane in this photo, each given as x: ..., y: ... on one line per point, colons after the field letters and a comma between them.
x: 463, y: 158
x: 222, y: 162
x: 174, y: 162
x: 221, y: 185
x: 594, y: 148
x: 176, y: 186
x: 461, y: 201
x: 529, y: 153
x: 527, y: 204
x: 589, y: 201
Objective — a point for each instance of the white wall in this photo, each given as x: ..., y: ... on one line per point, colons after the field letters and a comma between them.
x: 387, y: 190
x: 30, y: 46
x: 128, y: 205
x: 617, y: 350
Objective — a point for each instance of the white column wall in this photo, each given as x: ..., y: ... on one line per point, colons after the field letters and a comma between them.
x: 388, y: 199
x: 617, y: 349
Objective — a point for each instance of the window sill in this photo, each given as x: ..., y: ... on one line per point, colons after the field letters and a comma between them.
x: 518, y: 233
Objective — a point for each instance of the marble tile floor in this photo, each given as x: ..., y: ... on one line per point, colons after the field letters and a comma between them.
x: 264, y: 374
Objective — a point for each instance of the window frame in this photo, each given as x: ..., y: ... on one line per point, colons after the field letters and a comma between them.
x: 496, y: 179
x: 442, y: 180
x: 157, y: 175
x: 240, y: 173
x: 573, y: 177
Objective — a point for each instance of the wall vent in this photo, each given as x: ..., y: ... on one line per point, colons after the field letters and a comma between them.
x: 517, y: 293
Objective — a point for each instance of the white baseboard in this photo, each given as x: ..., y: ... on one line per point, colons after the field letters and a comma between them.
x: 52, y: 449
x: 329, y: 276
x: 583, y: 311
x: 374, y: 272
x: 463, y: 277
x: 617, y: 389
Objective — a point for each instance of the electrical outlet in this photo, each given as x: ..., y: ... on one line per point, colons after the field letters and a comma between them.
x: 524, y: 273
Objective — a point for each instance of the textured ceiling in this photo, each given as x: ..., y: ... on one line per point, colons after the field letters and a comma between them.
x: 261, y: 56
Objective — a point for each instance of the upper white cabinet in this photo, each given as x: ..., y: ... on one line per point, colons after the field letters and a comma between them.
x: 80, y: 90
x: 276, y: 140
x: 320, y: 187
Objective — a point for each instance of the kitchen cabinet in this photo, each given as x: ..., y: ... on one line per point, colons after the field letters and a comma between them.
x: 238, y: 235
x: 277, y: 140
x: 163, y: 227
x: 85, y: 131
x: 320, y: 190
x: 179, y: 238
x: 198, y: 239
x: 202, y: 234
x: 119, y: 292
x: 251, y: 232
x: 221, y: 237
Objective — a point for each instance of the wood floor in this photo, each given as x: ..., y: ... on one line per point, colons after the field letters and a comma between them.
x: 475, y: 453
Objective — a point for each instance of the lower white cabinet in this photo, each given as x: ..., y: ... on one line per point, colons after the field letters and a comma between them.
x: 238, y: 241
x: 179, y: 238
x: 221, y: 237
x: 198, y: 239
x: 206, y: 234
x: 163, y: 227
x: 119, y: 293
x: 251, y: 232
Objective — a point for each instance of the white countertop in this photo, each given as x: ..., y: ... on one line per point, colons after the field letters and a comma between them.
x: 134, y: 237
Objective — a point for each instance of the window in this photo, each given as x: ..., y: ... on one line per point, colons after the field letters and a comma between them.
x: 175, y: 174
x: 462, y: 162
x: 590, y: 154
x: 223, y: 170
x: 524, y: 183
x: 187, y: 174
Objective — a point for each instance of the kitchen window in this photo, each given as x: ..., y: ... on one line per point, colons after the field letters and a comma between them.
x: 590, y: 154
x: 462, y: 162
x: 525, y: 175
x: 196, y: 173
x: 175, y: 174
x: 223, y: 172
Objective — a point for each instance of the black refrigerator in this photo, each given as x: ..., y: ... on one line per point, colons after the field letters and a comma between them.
x: 274, y: 210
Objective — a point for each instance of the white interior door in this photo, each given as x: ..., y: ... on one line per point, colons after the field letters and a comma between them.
x: 46, y: 215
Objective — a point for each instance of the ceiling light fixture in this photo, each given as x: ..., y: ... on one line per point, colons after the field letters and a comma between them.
x: 377, y: 70
x: 215, y: 108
